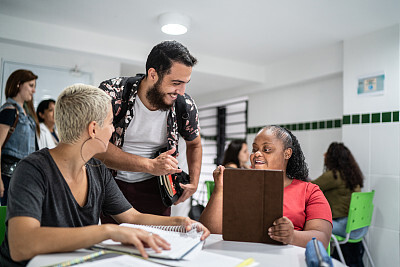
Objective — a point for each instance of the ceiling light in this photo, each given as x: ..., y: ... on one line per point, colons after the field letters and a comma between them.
x: 174, y: 23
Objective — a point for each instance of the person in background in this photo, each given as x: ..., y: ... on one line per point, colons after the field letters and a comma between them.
x: 306, y: 212
x: 48, y: 133
x: 151, y: 122
x: 341, y: 178
x: 236, y: 155
x: 18, y: 125
x: 56, y: 195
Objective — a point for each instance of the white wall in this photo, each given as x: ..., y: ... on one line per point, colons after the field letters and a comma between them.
x: 376, y: 145
x: 303, y: 88
x: 299, y: 103
x: 102, y: 68
x: 297, y: 69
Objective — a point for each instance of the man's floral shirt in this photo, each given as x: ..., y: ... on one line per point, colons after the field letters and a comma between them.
x: 115, y: 88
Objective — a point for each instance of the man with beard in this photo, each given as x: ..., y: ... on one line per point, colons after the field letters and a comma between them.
x: 146, y: 120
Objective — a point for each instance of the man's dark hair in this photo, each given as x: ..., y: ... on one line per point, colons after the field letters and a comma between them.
x: 165, y: 53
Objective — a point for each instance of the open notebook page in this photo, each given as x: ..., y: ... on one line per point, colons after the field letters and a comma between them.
x: 182, y: 242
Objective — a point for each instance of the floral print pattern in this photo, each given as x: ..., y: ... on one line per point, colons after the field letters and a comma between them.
x: 115, y: 89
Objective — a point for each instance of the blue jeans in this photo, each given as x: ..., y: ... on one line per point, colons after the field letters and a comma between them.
x: 339, y: 228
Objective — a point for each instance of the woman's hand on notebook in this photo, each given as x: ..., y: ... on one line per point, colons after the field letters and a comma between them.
x: 282, y: 230
x: 218, y: 175
x: 189, y: 224
x: 139, y: 238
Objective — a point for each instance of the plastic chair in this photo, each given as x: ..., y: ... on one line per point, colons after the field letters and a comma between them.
x: 360, y: 215
x: 210, y: 188
x: 3, y: 211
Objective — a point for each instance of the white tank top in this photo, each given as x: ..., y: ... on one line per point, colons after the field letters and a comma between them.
x: 145, y: 135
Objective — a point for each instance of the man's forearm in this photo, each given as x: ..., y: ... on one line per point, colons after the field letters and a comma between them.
x: 117, y: 159
x: 194, y: 154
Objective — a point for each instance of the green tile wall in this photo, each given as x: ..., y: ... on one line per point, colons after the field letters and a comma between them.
x: 355, y: 118
x: 386, y: 116
x: 365, y: 118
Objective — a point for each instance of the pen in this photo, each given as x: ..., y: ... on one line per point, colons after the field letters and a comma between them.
x: 246, y: 262
x: 81, y: 259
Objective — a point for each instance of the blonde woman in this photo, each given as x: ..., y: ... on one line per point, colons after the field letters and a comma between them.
x: 56, y: 195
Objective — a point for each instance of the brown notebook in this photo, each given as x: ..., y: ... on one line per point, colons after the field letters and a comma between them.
x: 252, y: 201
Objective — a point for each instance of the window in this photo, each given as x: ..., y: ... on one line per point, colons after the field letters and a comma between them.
x: 220, y: 123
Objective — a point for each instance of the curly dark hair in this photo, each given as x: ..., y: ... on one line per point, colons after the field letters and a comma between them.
x: 297, y: 166
x: 232, y: 152
x: 165, y: 53
x: 338, y: 158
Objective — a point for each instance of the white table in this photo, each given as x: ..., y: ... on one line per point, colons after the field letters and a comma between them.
x: 264, y: 254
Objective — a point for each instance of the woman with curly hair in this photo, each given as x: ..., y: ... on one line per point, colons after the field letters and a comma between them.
x: 306, y: 212
x: 341, y: 178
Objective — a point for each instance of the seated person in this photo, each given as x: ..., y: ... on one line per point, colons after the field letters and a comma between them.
x: 306, y: 212
x: 341, y: 178
x: 56, y: 195
x: 236, y: 155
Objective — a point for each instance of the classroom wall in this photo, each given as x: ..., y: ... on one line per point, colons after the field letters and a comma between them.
x: 376, y: 145
x: 101, y: 67
x: 297, y: 105
x: 296, y: 94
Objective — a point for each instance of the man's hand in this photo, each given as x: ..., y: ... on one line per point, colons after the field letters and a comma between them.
x: 165, y: 164
x: 188, y: 191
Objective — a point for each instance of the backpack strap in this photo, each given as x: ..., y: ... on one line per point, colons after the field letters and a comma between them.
x: 126, y: 94
x: 12, y: 128
x: 181, y: 112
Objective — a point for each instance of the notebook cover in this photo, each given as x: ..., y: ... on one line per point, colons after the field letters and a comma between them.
x: 252, y: 201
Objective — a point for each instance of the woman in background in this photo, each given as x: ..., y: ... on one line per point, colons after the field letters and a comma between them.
x: 236, y: 155
x: 341, y: 178
x: 48, y: 133
x: 18, y: 125
x: 306, y: 212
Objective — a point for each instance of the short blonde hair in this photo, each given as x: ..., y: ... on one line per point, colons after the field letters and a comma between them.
x: 76, y: 107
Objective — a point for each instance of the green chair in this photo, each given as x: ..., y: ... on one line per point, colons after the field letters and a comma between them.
x: 210, y: 188
x: 3, y: 211
x: 360, y: 215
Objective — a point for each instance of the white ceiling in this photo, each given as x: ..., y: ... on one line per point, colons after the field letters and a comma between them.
x: 252, y: 33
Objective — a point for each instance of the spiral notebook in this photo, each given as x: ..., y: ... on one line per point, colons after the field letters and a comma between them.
x: 182, y: 242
